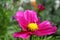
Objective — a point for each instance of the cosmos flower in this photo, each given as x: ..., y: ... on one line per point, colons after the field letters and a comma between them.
x: 31, y: 25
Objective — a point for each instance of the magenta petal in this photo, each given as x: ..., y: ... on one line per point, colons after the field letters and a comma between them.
x: 22, y: 35
x: 38, y: 22
x: 21, y: 20
x: 45, y: 24
x: 47, y: 31
x: 18, y: 15
x: 30, y: 16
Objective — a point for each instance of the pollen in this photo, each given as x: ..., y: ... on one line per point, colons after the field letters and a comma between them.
x: 32, y: 26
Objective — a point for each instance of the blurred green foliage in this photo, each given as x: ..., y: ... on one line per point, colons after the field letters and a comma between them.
x: 8, y: 26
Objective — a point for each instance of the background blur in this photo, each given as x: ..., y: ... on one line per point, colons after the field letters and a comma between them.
x: 8, y: 24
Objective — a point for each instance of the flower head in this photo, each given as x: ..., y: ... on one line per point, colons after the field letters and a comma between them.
x: 41, y: 7
x: 31, y: 25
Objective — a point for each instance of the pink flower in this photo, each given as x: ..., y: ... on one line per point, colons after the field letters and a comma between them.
x: 41, y: 7
x: 31, y: 25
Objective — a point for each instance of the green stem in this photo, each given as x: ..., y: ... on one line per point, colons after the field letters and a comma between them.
x: 42, y: 38
x: 26, y: 39
x: 45, y: 37
x: 30, y: 37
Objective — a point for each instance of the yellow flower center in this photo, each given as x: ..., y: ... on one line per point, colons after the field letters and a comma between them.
x: 32, y: 26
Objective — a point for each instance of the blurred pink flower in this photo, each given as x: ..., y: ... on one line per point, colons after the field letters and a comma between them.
x: 31, y: 25
x: 41, y: 7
